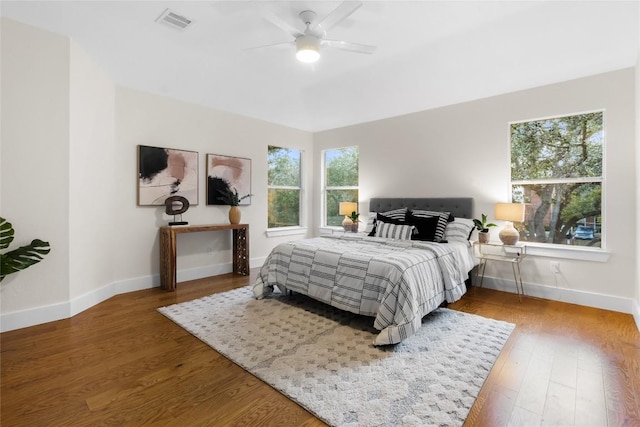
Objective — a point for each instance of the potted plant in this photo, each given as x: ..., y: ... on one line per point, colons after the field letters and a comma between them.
x: 483, y: 228
x: 231, y: 197
x: 354, y: 218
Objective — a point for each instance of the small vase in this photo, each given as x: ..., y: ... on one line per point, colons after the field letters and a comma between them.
x: 234, y: 215
x: 483, y: 237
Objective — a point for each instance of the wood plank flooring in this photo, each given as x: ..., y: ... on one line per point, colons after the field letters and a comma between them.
x: 122, y: 363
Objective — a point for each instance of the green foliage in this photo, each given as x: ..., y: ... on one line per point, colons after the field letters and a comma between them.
x: 284, y: 166
x: 230, y: 197
x: 341, y: 167
x: 21, y: 258
x: 482, y: 224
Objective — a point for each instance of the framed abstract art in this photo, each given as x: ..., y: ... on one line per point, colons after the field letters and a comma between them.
x: 227, y: 173
x: 166, y: 172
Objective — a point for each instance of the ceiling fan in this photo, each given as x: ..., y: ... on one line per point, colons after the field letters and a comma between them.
x: 309, y: 41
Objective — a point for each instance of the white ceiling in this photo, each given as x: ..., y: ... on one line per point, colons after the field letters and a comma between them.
x: 429, y: 53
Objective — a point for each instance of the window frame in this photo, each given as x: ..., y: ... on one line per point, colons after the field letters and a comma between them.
x: 558, y: 250
x: 325, y: 188
x: 293, y: 229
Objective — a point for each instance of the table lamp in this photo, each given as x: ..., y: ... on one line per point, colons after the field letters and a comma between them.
x: 509, y: 212
x: 346, y: 208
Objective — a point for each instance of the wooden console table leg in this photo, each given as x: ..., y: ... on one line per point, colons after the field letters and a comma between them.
x: 241, y: 251
x: 167, y: 259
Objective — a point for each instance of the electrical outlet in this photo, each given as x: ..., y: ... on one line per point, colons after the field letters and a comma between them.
x: 555, y: 267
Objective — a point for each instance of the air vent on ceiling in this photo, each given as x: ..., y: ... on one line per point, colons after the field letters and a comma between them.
x: 174, y: 20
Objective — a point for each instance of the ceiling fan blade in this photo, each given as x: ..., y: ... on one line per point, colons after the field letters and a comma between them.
x: 283, y: 25
x: 275, y: 45
x: 351, y: 47
x: 338, y: 15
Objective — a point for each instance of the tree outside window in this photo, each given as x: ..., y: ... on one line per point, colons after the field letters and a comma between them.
x: 340, y: 181
x: 556, y: 169
x: 284, y: 187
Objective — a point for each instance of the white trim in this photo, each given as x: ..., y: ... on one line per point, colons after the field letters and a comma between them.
x: 572, y: 296
x: 636, y: 314
x: 285, y: 231
x: 569, y: 252
x: 64, y: 310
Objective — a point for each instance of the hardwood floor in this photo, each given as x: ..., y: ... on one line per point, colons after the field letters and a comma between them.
x: 123, y: 363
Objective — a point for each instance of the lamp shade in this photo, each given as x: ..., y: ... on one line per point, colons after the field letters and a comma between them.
x: 513, y: 212
x: 347, y: 207
x: 307, y: 49
x: 510, y: 212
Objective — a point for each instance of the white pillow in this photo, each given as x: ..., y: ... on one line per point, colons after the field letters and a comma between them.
x: 394, y: 231
x: 459, y: 230
x: 371, y: 222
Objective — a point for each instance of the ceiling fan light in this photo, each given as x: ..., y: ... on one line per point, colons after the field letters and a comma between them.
x: 307, y: 49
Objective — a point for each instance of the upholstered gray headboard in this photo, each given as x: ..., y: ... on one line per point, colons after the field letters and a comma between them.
x: 458, y: 206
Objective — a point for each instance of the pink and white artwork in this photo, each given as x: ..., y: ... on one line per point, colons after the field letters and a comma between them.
x: 166, y: 172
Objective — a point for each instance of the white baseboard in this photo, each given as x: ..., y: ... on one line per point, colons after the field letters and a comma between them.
x: 636, y: 314
x: 64, y: 310
x: 38, y: 315
x: 572, y: 296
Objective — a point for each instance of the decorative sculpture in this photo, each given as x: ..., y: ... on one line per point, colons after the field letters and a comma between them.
x: 171, y: 208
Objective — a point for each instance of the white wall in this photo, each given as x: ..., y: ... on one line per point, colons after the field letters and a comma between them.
x: 92, y: 184
x: 147, y: 119
x: 69, y: 174
x: 35, y: 162
x: 463, y: 150
x: 637, y: 115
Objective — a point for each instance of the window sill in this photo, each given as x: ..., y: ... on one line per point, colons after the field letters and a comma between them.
x: 567, y: 252
x: 285, y: 231
x: 331, y: 230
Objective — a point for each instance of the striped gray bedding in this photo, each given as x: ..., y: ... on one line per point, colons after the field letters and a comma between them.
x: 395, y: 281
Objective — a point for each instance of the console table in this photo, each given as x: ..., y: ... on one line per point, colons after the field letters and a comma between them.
x: 168, y: 249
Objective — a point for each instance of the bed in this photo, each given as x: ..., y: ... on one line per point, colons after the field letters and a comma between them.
x: 397, y: 281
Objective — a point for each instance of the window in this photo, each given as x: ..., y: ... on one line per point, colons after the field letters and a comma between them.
x: 340, y: 182
x: 556, y: 169
x: 284, y: 187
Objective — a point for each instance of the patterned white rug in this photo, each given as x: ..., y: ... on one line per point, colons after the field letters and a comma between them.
x: 323, y: 358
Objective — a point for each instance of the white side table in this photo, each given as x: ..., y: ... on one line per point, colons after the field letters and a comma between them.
x: 496, y: 251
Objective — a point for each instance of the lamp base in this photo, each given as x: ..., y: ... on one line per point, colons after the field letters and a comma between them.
x: 347, y: 223
x: 509, y: 235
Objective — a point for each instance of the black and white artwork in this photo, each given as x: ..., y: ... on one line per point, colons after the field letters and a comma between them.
x: 166, y: 172
x: 227, y: 173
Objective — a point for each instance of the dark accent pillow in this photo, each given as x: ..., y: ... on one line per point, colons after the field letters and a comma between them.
x: 426, y: 227
x: 442, y: 223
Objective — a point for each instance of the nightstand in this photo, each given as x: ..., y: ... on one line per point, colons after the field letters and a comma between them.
x: 496, y: 251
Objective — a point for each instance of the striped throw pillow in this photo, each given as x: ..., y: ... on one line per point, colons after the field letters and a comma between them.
x: 393, y: 231
x: 443, y: 218
x: 397, y: 214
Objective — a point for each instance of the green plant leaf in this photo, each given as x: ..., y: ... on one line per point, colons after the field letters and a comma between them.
x: 6, y: 233
x: 23, y: 257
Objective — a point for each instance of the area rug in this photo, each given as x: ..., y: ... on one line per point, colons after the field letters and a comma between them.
x: 323, y: 358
